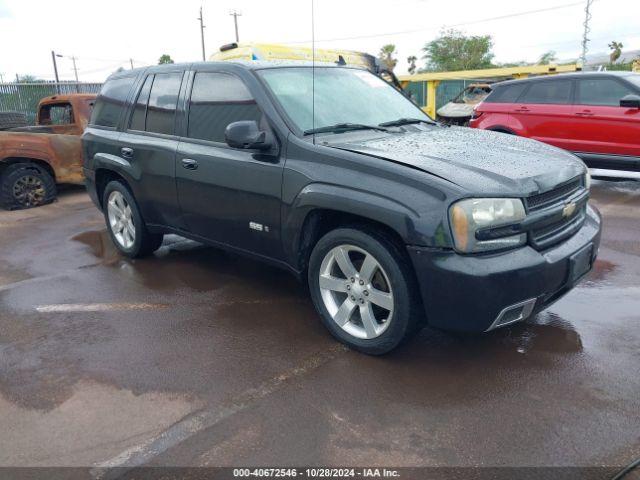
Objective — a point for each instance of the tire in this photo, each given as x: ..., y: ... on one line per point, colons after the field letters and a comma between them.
x: 26, y: 185
x: 125, y: 225
x: 12, y: 120
x: 395, y: 316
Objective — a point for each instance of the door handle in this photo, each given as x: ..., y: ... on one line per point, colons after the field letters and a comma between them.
x: 522, y: 110
x: 585, y: 113
x: 189, y: 164
x: 126, y: 152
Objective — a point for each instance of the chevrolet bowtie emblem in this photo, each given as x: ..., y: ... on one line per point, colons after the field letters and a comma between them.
x: 568, y: 209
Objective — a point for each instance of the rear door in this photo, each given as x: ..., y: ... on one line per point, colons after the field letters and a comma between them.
x: 545, y: 112
x: 227, y: 195
x: 494, y: 112
x: 149, y: 144
x: 601, y: 124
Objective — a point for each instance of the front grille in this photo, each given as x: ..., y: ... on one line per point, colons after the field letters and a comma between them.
x: 548, y: 236
x: 557, y: 195
x: 550, y: 232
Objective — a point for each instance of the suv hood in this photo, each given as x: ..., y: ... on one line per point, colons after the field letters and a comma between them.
x: 482, y: 162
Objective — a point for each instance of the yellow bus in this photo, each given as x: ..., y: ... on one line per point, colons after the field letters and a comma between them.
x: 275, y: 52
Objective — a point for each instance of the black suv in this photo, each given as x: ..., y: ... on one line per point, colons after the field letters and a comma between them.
x: 394, y: 220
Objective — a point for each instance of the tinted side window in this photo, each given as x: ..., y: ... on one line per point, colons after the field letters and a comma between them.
x: 218, y: 99
x: 601, y: 91
x: 506, y: 94
x: 139, y: 115
x: 556, y: 92
x: 110, y: 102
x: 163, y: 99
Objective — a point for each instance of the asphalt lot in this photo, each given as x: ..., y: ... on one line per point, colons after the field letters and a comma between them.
x: 198, y: 357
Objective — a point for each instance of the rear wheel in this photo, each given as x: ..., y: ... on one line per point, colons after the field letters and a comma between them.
x: 363, y: 288
x: 26, y: 185
x: 125, y: 224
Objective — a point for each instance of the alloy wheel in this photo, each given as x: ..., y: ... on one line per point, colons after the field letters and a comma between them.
x: 356, y: 291
x: 120, y: 220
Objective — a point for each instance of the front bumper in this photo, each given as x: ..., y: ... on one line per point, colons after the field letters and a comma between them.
x: 476, y: 293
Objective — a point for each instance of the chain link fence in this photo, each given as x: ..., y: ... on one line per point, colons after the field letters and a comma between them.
x: 24, y: 97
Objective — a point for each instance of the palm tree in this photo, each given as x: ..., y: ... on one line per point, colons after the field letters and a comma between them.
x: 547, y: 57
x: 616, y: 51
x: 386, y: 56
x: 412, y: 64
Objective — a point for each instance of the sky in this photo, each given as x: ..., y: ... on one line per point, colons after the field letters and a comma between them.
x: 105, y: 35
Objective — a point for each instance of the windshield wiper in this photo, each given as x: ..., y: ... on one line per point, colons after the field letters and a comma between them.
x: 344, y: 127
x: 406, y: 121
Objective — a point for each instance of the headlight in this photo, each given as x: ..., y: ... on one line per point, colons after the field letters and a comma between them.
x: 587, y: 179
x: 474, y: 214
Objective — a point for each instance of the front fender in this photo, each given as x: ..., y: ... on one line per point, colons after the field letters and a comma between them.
x: 321, y: 196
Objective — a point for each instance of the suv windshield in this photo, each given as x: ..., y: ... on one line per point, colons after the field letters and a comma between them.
x: 343, y: 96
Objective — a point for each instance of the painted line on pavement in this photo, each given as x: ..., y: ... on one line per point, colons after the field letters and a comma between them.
x: 98, y: 307
x: 197, y: 422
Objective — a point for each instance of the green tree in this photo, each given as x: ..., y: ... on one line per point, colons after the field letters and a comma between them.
x: 28, y: 79
x: 547, y: 57
x: 412, y: 64
x: 616, y: 51
x: 386, y: 56
x: 453, y: 50
x: 164, y: 58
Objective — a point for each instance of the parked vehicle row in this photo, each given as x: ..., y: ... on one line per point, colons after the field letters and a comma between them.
x: 594, y: 115
x: 394, y: 221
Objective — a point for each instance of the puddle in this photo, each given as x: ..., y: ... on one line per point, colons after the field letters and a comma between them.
x: 100, y: 245
x: 600, y: 273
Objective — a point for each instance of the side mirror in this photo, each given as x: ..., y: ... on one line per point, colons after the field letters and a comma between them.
x: 630, y: 101
x: 246, y: 135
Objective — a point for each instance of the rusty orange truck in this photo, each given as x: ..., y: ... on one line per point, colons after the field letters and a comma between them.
x: 34, y: 159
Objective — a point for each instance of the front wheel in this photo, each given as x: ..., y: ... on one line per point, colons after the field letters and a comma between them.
x: 363, y: 288
x: 125, y: 224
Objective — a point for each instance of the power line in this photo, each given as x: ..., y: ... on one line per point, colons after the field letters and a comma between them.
x: 473, y: 22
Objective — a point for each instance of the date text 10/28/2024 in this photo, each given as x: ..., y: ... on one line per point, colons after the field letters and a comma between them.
x: 315, y: 473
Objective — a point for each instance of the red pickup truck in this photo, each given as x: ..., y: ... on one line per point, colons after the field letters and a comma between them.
x: 595, y: 115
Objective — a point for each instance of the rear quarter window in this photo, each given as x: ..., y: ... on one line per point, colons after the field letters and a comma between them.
x: 506, y: 93
x: 111, y: 101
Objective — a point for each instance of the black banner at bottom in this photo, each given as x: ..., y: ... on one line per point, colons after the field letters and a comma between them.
x: 339, y: 473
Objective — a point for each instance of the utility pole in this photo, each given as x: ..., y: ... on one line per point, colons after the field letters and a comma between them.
x: 235, y: 16
x: 587, y: 29
x: 55, y: 70
x: 131, y: 62
x: 204, y: 58
x: 55, y: 65
x: 75, y: 69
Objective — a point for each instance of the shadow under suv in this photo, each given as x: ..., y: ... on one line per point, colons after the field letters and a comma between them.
x: 395, y: 221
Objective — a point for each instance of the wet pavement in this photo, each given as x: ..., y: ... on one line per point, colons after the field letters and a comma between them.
x: 199, y: 357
